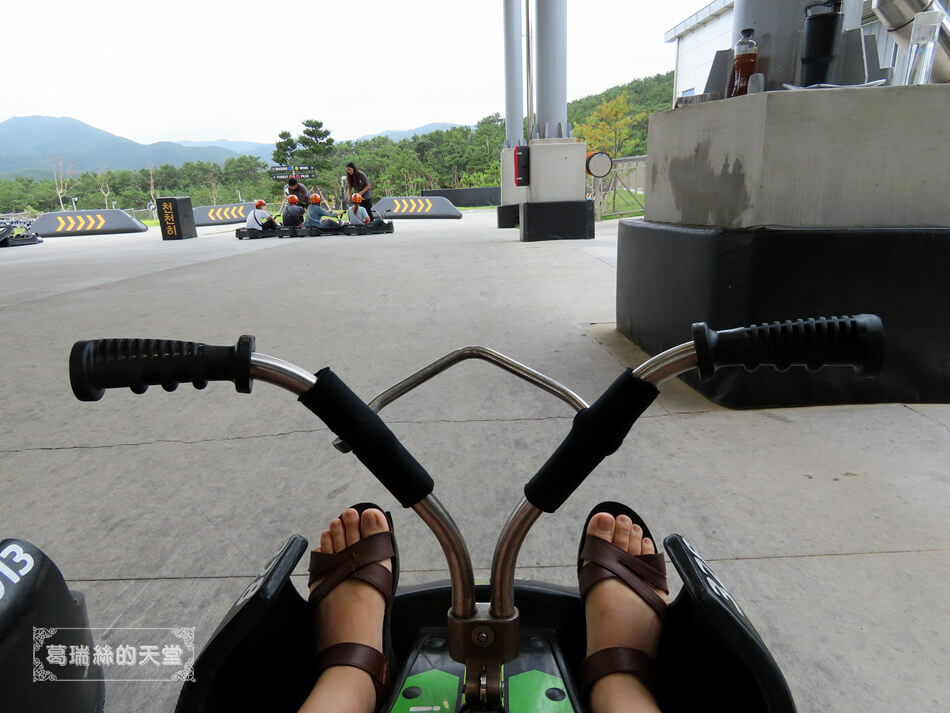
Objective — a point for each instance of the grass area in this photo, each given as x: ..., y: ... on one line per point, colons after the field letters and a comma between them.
x: 622, y: 205
x: 150, y: 223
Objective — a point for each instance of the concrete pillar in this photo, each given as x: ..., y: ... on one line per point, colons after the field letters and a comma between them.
x: 514, y: 131
x: 552, y: 69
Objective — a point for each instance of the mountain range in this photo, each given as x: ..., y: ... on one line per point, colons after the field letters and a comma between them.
x: 397, y: 135
x: 33, y: 145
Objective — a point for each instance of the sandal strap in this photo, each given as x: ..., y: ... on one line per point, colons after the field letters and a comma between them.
x: 638, y: 572
x: 358, y: 561
x: 360, y: 656
x: 618, y: 659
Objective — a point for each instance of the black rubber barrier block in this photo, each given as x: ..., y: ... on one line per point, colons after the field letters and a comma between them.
x: 509, y: 215
x: 222, y: 214
x: 86, y: 222
x: 416, y: 207
x: 671, y: 276
x: 176, y: 218
x: 557, y: 220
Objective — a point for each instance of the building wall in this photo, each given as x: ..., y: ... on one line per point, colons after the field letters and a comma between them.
x: 695, y: 51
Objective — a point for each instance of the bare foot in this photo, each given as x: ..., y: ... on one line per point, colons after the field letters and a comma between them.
x: 353, y: 611
x: 616, y: 616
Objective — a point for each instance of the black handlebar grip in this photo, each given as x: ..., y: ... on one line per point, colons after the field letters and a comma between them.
x: 369, y: 438
x: 101, y: 364
x: 813, y: 343
x: 597, y: 432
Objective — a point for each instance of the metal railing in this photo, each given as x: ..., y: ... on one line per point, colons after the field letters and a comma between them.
x: 622, y: 191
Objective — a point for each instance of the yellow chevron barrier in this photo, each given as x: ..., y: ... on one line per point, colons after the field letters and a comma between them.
x: 86, y: 222
x: 416, y: 207
x: 222, y: 214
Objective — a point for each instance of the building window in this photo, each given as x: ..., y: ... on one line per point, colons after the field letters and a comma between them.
x: 688, y: 92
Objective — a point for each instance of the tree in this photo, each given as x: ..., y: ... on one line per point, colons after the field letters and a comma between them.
x: 314, y: 145
x: 61, y: 181
x: 241, y: 169
x: 102, y: 181
x: 284, y: 149
x: 609, y: 127
x: 213, y: 187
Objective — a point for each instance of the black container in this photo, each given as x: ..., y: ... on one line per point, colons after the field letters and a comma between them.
x: 823, y: 23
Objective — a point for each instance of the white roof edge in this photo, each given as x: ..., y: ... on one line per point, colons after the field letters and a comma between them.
x: 712, y: 10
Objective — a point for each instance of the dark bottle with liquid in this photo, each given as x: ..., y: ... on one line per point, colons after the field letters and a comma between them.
x: 743, y: 66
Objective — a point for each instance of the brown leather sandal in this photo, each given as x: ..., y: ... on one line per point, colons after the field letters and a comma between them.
x: 360, y: 561
x: 639, y: 572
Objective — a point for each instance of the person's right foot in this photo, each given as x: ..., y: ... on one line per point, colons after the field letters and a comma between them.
x: 617, y: 616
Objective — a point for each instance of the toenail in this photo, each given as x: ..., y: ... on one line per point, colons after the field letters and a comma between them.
x: 604, y: 526
x: 635, y: 528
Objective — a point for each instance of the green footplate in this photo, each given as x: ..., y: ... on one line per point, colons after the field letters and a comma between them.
x: 534, y: 682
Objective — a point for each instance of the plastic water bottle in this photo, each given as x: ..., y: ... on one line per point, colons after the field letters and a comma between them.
x: 923, y: 45
x: 743, y: 66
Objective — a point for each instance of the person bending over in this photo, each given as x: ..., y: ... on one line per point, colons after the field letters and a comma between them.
x: 356, y: 212
x: 297, y: 189
x: 259, y: 219
x: 293, y: 213
x: 317, y: 215
x: 359, y: 185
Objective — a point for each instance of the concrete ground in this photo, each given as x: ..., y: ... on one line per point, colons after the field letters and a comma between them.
x: 829, y: 525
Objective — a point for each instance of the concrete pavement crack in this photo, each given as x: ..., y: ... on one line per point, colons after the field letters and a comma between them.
x: 928, y: 417
x: 268, y: 435
x: 443, y: 574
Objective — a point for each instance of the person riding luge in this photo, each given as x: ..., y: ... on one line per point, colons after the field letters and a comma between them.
x: 259, y: 220
x: 293, y: 214
x: 317, y: 216
x: 356, y: 213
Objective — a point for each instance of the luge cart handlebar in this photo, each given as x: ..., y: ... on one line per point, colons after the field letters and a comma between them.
x: 597, y: 431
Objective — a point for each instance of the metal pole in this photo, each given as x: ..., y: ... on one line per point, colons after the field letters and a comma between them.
x: 514, y: 132
x: 529, y: 64
x: 552, y: 69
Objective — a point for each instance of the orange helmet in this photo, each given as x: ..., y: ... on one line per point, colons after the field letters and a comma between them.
x: 259, y: 204
x: 357, y: 198
x: 315, y: 199
x: 292, y: 199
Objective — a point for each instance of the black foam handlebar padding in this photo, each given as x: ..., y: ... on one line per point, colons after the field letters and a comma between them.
x: 99, y: 364
x: 856, y: 341
x: 370, y: 439
x: 597, y: 432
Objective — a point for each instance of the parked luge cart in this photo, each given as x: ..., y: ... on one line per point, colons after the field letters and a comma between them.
x: 493, y: 654
x: 16, y: 231
x: 377, y: 227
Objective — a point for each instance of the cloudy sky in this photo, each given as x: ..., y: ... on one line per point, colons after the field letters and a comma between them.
x: 205, y: 69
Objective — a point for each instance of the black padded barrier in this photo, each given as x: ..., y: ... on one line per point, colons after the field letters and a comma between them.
x: 86, y: 222
x: 176, y: 218
x: 509, y: 215
x: 669, y: 277
x: 557, y: 220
